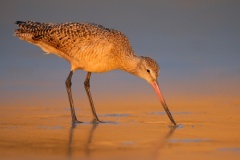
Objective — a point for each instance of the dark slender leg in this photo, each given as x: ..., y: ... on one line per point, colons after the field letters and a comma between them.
x: 68, y: 85
x: 87, y: 88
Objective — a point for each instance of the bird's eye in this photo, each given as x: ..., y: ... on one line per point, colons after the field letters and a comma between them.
x: 148, y: 70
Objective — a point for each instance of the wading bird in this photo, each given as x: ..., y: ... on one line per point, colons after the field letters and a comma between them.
x: 92, y: 48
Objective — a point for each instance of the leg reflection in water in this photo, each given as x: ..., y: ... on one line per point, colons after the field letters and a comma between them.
x: 87, y: 145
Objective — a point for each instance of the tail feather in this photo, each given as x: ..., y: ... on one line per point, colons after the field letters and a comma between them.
x: 30, y: 26
x: 29, y: 30
x: 19, y: 22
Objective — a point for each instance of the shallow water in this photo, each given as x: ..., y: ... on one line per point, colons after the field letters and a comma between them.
x: 46, y: 133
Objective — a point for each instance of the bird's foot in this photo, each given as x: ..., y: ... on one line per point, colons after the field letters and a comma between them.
x: 75, y: 121
x: 96, y: 121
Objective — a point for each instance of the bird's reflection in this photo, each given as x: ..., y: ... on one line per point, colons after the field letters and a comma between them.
x: 89, y: 139
x: 163, y: 142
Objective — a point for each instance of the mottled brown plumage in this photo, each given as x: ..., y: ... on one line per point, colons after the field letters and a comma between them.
x: 84, y: 45
x: 92, y: 48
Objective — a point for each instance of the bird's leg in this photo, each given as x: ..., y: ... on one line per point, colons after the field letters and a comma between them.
x: 68, y: 85
x: 87, y: 88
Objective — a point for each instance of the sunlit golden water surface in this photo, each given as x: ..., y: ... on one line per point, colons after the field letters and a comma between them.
x: 46, y: 133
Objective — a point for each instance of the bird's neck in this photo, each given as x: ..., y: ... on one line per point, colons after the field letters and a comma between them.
x: 130, y: 64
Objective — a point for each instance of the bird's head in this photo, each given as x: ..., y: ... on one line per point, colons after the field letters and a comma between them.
x: 148, y: 69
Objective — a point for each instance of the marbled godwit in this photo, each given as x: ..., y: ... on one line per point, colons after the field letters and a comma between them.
x: 92, y: 48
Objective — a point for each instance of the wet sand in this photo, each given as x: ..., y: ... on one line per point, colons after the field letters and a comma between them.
x: 46, y: 133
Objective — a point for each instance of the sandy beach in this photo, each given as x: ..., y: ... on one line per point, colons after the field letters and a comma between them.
x: 46, y: 133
